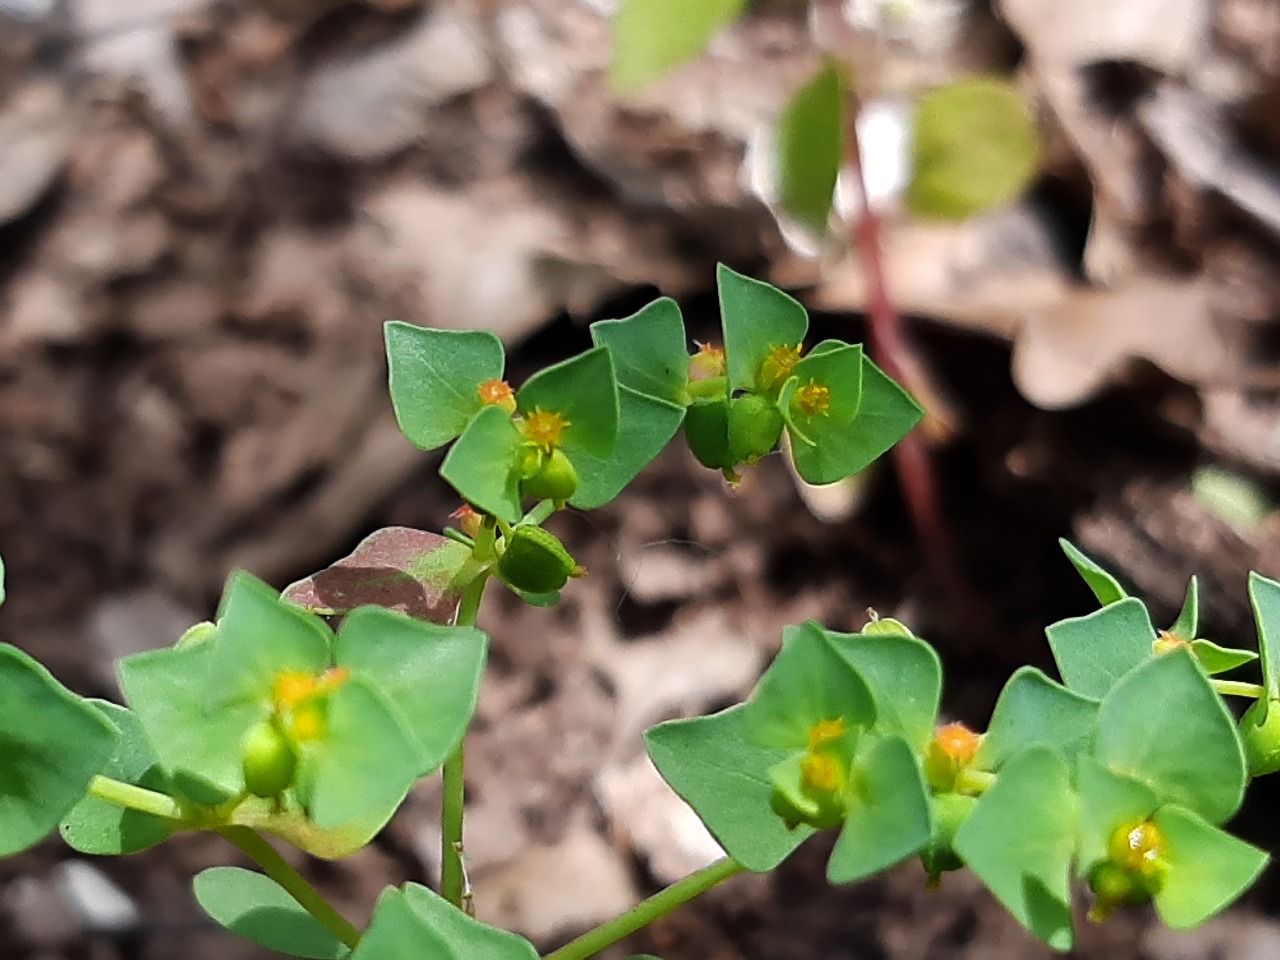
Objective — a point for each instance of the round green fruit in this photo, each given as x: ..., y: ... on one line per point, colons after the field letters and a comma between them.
x: 1261, y: 737
x: 535, y: 561
x: 755, y: 424
x: 554, y: 479
x: 268, y: 759
x: 706, y: 429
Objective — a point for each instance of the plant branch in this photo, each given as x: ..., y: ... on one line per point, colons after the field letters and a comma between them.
x: 452, y: 813
x: 136, y: 798
x: 645, y: 912
x: 1238, y: 688
x: 295, y: 884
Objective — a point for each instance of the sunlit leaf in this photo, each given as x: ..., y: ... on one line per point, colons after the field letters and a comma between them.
x: 652, y: 37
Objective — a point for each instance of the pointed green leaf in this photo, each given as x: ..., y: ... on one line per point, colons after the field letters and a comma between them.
x: 52, y: 743
x: 904, y: 676
x: 1215, y: 659
x: 464, y: 937
x: 196, y: 740
x: 364, y: 763
x: 1108, y: 802
x: 645, y: 426
x: 837, y: 370
x: 1264, y: 594
x: 1104, y: 586
x: 1188, y: 622
x: 650, y: 350
x: 260, y: 636
x: 435, y: 376
x: 1094, y: 652
x: 97, y: 827
x: 415, y: 572
x: 810, y: 145
x: 1164, y: 725
x: 430, y: 672
x: 481, y: 466
x: 652, y: 37
x: 715, y: 769
x: 756, y: 318
x: 1033, y: 711
x: 257, y: 908
x: 889, y: 815
x: 974, y: 146
x: 807, y: 682
x: 1019, y: 840
x: 584, y: 391
x: 1208, y: 868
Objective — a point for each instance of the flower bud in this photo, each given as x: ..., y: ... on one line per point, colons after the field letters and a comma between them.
x: 755, y: 424
x: 535, y: 561
x: 554, y: 479
x: 268, y: 759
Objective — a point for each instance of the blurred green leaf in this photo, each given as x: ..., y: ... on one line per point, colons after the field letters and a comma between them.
x: 714, y: 768
x: 52, y: 744
x: 1095, y: 651
x: 974, y: 146
x: 652, y: 37
x: 255, y: 907
x: 97, y: 827
x: 756, y: 318
x: 1033, y: 711
x: 435, y: 376
x: 1164, y: 725
x: 1104, y: 586
x: 1208, y: 868
x: 481, y: 466
x: 810, y: 145
x: 650, y: 351
x: 1020, y: 838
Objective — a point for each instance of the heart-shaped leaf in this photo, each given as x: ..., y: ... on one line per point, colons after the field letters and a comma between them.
x: 1034, y: 711
x: 904, y: 676
x: 646, y: 425
x: 650, y: 352
x: 1095, y: 651
x: 1207, y: 868
x: 757, y: 319
x: 583, y: 390
x: 255, y: 907
x: 481, y: 466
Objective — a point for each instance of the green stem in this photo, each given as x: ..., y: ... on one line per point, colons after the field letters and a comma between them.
x: 452, y: 877
x: 1237, y: 688
x: 294, y: 883
x: 136, y: 798
x: 645, y: 912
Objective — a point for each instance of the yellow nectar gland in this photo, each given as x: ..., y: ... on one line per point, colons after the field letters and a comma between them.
x: 820, y: 774
x: 778, y: 365
x: 826, y: 731
x: 497, y: 393
x: 1139, y: 848
x: 813, y: 399
x: 1167, y: 642
x: 293, y: 688
x: 545, y: 429
x: 957, y: 742
x: 307, y: 723
x: 708, y: 362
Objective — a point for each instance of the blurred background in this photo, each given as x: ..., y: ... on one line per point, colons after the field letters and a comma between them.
x: 209, y: 207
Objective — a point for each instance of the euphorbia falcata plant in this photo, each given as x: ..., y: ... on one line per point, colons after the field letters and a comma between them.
x: 309, y: 715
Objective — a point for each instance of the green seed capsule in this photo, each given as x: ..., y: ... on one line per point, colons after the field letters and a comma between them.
x: 535, y: 561
x: 755, y: 424
x: 1261, y: 738
x: 554, y: 479
x: 706, y: 429
x: 268, y: 759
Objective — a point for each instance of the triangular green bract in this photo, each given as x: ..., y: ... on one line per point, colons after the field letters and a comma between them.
x: 257, y: 908
x: 1215, y: 659
x: 364, y: 763
x: 807, y: 682
x: 1188, y: 622
x: 430, y: 672
x: 1208, y: 868
x: 1095, y: 651
x: 1264, y: 595
x: 52, y: 743
x: 196, y: 740
x: 584, y: 391
x: 1033, y: 711
x: 1108, y: 802
x: 464, y: 937
x: 839, y: 371
x: 414, y: 572
x: 810, y: 148
x: 1164, y: 725
x: 98, y: 827
x: 889, y: 816
x: 1104, y: 586
x: 435, y: 377
x: 481, y: 466
x: 260, y: 636
x: 715, y: 769
x: 650, y: 352
x: 974, y: 146
x: 645, y: 426
x: 904, y: 676
x: 756, y: 318
x: 1019, y: 840
x: 651, y: 37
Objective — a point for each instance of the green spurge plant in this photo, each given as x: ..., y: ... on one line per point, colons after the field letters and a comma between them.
x: 268, y: 721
